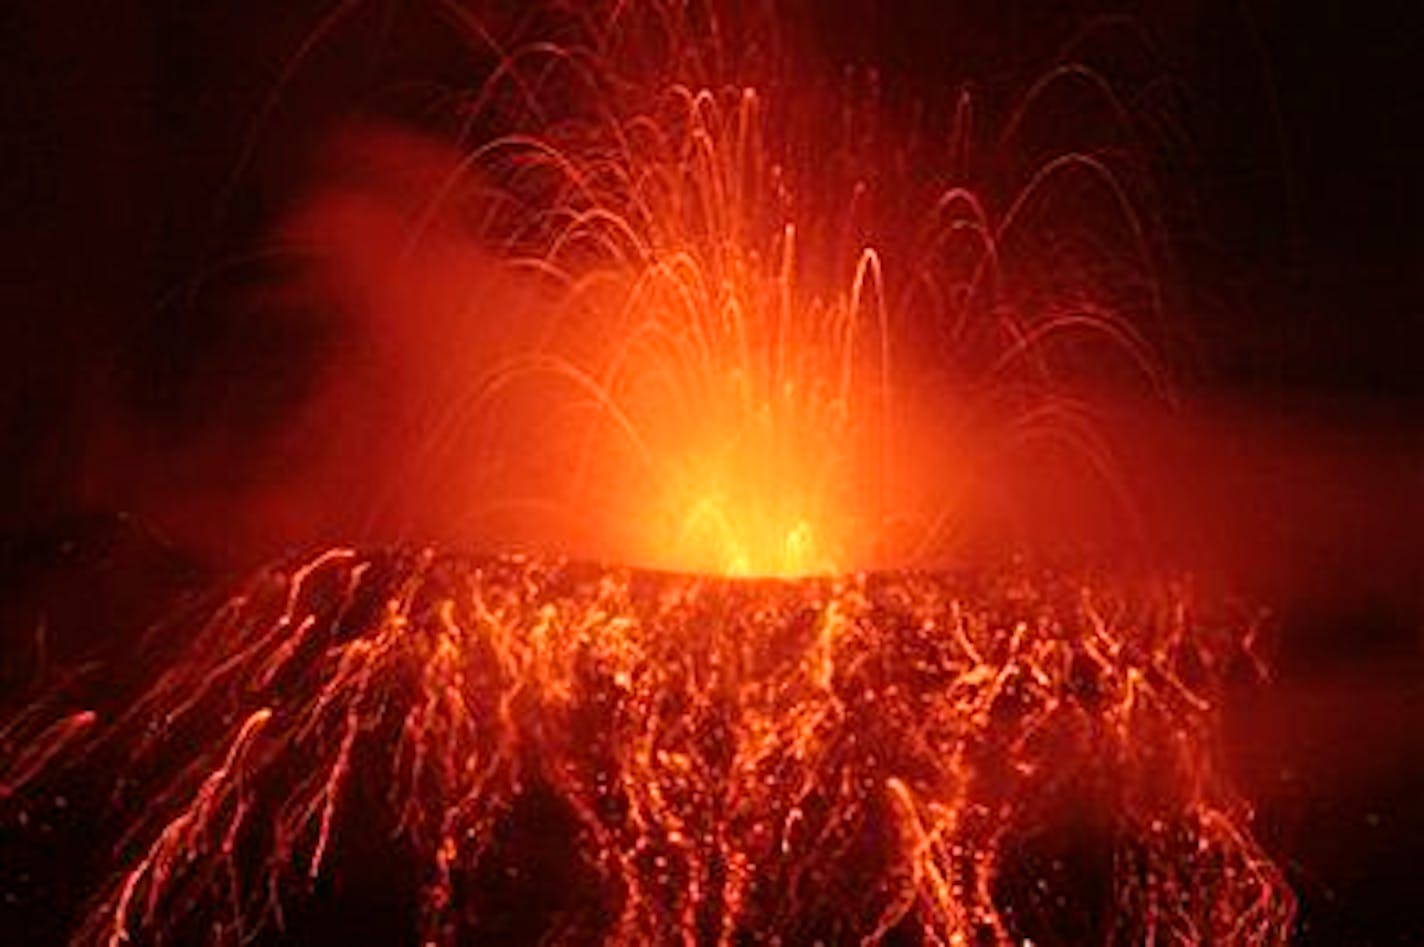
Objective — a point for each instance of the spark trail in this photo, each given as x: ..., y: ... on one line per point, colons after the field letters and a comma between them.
x: 773, y: 338
x: 845, y: 759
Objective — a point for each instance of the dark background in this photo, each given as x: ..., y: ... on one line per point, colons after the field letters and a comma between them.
x: 130, y: 164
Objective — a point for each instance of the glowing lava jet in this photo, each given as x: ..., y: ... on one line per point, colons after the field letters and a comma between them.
x: 731, y: 378
x: 768, y: 336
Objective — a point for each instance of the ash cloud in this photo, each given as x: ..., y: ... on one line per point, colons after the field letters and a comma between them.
x: 325, y: 365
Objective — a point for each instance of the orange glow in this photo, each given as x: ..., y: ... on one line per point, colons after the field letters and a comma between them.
x: 732, y: 377
x: 670, y: 299
x: 727, y: 412
x: 704, y: 329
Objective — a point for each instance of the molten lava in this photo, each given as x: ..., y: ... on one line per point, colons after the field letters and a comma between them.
x: 834, y: 759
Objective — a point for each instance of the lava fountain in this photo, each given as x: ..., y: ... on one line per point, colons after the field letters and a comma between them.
x: 743, y: 328
x: 774, y: 361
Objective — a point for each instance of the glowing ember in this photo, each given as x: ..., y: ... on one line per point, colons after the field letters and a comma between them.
x: 832, y: 758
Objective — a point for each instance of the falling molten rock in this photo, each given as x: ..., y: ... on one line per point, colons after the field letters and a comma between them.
x: 523, y: 750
